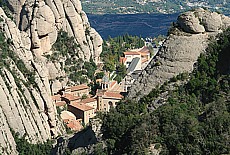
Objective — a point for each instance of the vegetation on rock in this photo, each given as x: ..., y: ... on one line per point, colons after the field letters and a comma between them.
x: 11, y: 62
x: 26, y: 148
x: 8, y: 57
x: 65, y: 48
x: 195, y: 117
x: 3, y: 5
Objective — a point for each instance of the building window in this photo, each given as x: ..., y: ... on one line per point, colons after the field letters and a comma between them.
x: 110, y: 103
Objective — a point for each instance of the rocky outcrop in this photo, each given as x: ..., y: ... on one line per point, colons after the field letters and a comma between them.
x: 201, y: 20
x: 180, y: 50
x: 26, y: 81
x: 43, y: 19
x: 190, y: 23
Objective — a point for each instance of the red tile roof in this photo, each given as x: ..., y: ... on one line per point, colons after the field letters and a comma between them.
x: 60, y: 103
x: 79, y: 87
x: 113, y: 83
x: 144, y: 49
x: 144, y: 60
x: 144, y: 53
x: 88, y: 100
x: 115, y: 95
x: 123, y: 60
x: 81, y: 106
x: 67, y: 115
x: 117, y: 88
x: 100, y: 92
x: 56, y: 97
x: 71, y: 97
x: 75, y: 125
x: 131, y: 53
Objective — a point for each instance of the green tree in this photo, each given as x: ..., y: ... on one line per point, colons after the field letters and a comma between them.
x: 100, y: 75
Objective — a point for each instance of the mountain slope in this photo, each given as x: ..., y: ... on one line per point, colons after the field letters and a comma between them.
x: 27, y: 77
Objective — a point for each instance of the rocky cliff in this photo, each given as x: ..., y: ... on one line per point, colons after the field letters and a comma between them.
x: 188, y: 39
x: 26, y: 106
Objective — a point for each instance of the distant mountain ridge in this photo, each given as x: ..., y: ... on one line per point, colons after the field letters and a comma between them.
x: 151, y: 6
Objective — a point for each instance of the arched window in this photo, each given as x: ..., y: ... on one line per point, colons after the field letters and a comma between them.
x: 110, y: 103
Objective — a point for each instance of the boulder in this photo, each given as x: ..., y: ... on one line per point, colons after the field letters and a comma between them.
x: 178, y: 55
x: 45, y: 20
x: 190, y: 23
x: 42, y: 19
x: 211, y: 21
x: 225, y: 21
x: 201, y: 20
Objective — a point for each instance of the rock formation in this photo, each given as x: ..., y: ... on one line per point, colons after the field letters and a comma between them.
x: 180, y: 50
x: 26, y: 106
x: 201, y: 20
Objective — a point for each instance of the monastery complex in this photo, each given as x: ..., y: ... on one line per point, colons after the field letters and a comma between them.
x: 79, y: 106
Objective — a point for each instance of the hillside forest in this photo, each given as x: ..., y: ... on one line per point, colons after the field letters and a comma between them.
x: 195, y: 118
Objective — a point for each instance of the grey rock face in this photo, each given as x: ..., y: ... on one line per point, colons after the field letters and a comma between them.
x: 26, y: 108
x: 43, y: 19
x: 201, y: 20
x: 179, y: 52
x: 190, y: 23
x: 177, y: 55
